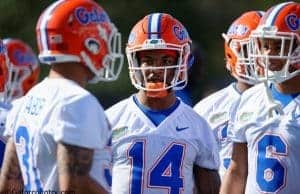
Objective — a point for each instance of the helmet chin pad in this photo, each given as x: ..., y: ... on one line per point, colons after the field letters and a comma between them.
x: 156, y: 86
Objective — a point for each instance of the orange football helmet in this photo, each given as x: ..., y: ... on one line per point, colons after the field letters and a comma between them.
x: 23, y: 68
x: 237, y: 46
x: 280, y: 24
x: 159, y: 31
x: 3, y: 71
x: 80, y: 31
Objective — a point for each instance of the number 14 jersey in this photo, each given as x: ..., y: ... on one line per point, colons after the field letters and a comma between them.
x: 158, y: 159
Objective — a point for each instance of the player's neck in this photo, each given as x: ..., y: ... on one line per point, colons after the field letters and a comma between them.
x: 290, y: 86
x: 241, y: 86
x: 72, y: 71
x: 156, y: 103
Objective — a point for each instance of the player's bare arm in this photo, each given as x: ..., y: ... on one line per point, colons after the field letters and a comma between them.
x: 74, y: 165
x: 235, y: 178
x: 11, y: 175
x: 207, y: 181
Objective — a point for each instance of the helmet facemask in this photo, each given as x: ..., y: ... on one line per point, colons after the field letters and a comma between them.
x: 288, y: 55
x: 161, y: 33
x: 112, y: 61
x: 16, y: 77
x: 174, y: 77
x: 238, y: 60
x: 23, y: 72
x: 237, y: 47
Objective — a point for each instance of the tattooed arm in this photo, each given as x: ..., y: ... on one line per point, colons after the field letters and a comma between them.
x: 11, y: 175
x: 74, y: 164
x: 207, y: 181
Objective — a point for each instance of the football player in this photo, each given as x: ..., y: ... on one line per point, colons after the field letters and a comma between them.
x: 59, y: 139
x: 24, y: 68
x: 265, y: 156
x: 5, y: 105
x: 23, y: 73
x: 219, y: 107
x: 157, y: 140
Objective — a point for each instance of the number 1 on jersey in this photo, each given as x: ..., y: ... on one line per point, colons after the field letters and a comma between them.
x: 136, y: 154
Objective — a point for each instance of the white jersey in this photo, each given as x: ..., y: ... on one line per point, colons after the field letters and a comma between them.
x: 217, y: 109
x: 158, y: 159
x: 4, y: 109
x: 273, y: 143
x: 11, y: 116
x: 58, y: 110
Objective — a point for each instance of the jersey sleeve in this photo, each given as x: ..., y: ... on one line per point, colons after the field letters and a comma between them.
x: 208, y: 154
x: 204, y: 107
x: 81, y: 122
x: 115, y: 112
x: 245, y: 116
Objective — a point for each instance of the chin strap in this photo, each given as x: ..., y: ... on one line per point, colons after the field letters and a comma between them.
x: 274, y: 107
x: 156, y: 94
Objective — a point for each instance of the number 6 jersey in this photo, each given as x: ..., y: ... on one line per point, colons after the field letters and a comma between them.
x: 273, y: 143
x: 158, y: 159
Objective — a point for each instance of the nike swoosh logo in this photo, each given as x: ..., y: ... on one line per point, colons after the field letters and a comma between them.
x: 181, y: 128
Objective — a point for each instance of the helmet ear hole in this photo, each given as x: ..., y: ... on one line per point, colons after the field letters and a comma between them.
x: 92, y: 45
